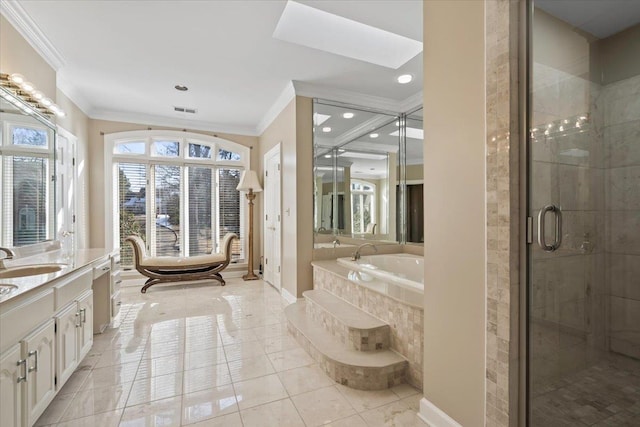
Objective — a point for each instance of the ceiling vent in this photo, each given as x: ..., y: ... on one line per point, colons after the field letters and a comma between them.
x: 185, y: 110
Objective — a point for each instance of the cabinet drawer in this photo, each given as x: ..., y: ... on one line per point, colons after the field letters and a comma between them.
x: 102, y: 268
x: 115, y: 304
x: 70, y: 288
x: 21, y: 320
x: 116, y: 281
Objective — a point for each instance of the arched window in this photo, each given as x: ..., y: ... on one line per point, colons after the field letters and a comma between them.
x: 177, y: 190
x: 363, y: 205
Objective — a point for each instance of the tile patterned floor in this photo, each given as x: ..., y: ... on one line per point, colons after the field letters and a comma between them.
x: 206, y: 355
x: 606, y: 394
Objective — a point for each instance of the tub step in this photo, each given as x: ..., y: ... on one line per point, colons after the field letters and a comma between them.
x: 352, y: 326
x: 364, y: 370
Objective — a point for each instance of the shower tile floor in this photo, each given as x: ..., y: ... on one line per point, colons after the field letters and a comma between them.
x: 206, y: 355
x: 606, y: 394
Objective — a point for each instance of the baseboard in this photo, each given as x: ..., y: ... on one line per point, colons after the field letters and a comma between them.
x: 288, y: 296
x: 434, y: 416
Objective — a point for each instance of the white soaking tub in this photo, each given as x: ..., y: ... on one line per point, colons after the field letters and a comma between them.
x: 403, y: 270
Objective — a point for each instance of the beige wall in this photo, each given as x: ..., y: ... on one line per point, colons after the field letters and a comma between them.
x: 17, y: 56
x: 97, y: 130
x: 454, y: 124
x: 292, y: 129
x: 415, y: 172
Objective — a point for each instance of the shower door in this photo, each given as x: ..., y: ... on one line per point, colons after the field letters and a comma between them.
x: 583, y: 290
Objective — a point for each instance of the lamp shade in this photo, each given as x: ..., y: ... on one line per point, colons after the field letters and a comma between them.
x: 249, y: 181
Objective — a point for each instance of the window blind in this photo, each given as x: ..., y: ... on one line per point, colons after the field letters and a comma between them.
x: 230, y: 210
x: 132, y: 208
x: 199, y: 205
x: 167, y: 225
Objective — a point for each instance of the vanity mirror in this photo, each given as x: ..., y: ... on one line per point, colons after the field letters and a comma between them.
x: 27, y: 173
x: 367, y: 174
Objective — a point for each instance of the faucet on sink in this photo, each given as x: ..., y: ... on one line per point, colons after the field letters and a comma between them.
x: 10, y: 254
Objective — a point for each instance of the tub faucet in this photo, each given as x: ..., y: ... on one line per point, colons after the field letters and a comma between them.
x: 336, y: 242
x: 356, y: 254
x: 9, y: 255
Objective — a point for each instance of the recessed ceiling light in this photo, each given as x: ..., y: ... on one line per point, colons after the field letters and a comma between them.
x: 327, y: 156
x: 181, y: 88
x: 404, y: 79
x: 348, y: 115
x: 326, y: 129
x: 374, y: 135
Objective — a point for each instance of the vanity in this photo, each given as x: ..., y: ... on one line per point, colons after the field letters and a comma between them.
x: 51, y: 303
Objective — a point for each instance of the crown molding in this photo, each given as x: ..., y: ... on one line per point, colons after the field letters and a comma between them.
x: 20, y: 19
x: 280, y: 104
x: 170, y: 122
x: 412, y: 102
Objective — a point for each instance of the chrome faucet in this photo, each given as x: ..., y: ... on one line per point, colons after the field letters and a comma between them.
x: 10, y: 254
x: 356, y: 254
x: 336, y: 242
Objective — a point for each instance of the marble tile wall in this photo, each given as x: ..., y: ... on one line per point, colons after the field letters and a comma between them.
x: 405, y: 321
x: 620, y: 103
x: 502, y: 157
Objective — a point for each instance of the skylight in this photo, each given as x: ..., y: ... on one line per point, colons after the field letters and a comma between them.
x: 317, y: 29
x: 411, y: 133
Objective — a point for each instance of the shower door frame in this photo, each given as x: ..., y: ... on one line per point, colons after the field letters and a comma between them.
x: 525, y: 66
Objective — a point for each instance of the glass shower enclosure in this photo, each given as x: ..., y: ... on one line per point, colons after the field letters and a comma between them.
x: 583, y: 310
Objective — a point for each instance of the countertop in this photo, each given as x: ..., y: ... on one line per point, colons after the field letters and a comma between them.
x: 72, y: 262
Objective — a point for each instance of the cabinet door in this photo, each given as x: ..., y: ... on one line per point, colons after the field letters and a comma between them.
x: 11, y: 388
x: 67, y: 349
x: 39, y: 349
x: 85, y: 305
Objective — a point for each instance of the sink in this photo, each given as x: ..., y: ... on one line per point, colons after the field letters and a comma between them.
x: 5, y: 289
x: 30, y: 270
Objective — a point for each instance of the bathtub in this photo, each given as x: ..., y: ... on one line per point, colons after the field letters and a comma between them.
x: 405, y: 271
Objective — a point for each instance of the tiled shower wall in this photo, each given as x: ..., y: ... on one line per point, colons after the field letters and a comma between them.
x: 620, y: 104
x: 502, y: 157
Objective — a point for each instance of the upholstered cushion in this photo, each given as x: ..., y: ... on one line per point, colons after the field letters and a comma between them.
x: 183, y: 262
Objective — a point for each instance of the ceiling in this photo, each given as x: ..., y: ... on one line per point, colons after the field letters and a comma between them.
x: 120, y: 60
x: 599, y: 18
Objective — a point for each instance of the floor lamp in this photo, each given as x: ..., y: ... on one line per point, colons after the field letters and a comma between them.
x: 250, y: 184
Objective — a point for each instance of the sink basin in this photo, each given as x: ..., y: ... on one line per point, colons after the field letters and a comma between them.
x: 5, y: 289
x: 30, y: 270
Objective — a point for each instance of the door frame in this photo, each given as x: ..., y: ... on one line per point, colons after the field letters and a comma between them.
x: 276, y: 279
x: 70, y: 218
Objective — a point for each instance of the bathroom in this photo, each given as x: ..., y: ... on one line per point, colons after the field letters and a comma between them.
x: 529, y: 111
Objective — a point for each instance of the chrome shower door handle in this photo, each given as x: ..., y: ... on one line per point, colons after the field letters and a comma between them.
x: 557, y: 240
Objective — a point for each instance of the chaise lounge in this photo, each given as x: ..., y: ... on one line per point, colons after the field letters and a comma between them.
x: 163, y: 269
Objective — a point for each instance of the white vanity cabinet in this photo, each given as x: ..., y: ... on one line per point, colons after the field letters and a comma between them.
x: 12, y: 374
x: 44, y: 334
x: 39, y: 350
x: 74, y: 335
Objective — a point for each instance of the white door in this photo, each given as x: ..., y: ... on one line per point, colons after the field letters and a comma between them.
x: 65, y: 190
x: 67, y: 323
x: 39, y: 350
x: 85, y: 306
x: 272, y: 217
x: 11, y: 383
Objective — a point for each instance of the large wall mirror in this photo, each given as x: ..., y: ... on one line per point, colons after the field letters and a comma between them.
x: 367, y: 173
x: 27, y: 165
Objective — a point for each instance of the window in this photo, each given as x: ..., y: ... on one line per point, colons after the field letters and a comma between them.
x: 181, y: 202
x: 363, y: 205
x: 26, y: 165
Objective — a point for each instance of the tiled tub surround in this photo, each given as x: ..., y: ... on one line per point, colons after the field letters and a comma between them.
x: 403, y: 313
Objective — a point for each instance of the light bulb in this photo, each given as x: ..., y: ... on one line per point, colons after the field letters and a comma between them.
x: 348, y: 115
x: 374, y: 135
x: 404, y: 79
x: 37, y: 95
x: 46, y: 102
x: 326, y: 129
x: 27, y: 87
x: 16, y: 78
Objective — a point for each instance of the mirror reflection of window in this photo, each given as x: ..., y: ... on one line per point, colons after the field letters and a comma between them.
x: 363, y: 206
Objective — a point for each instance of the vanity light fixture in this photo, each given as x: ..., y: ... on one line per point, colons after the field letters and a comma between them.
x: 25, y: 96
x: 326, y: 129
x: 374, y: 135
x: 348, y: 115
x: 404, y: 79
